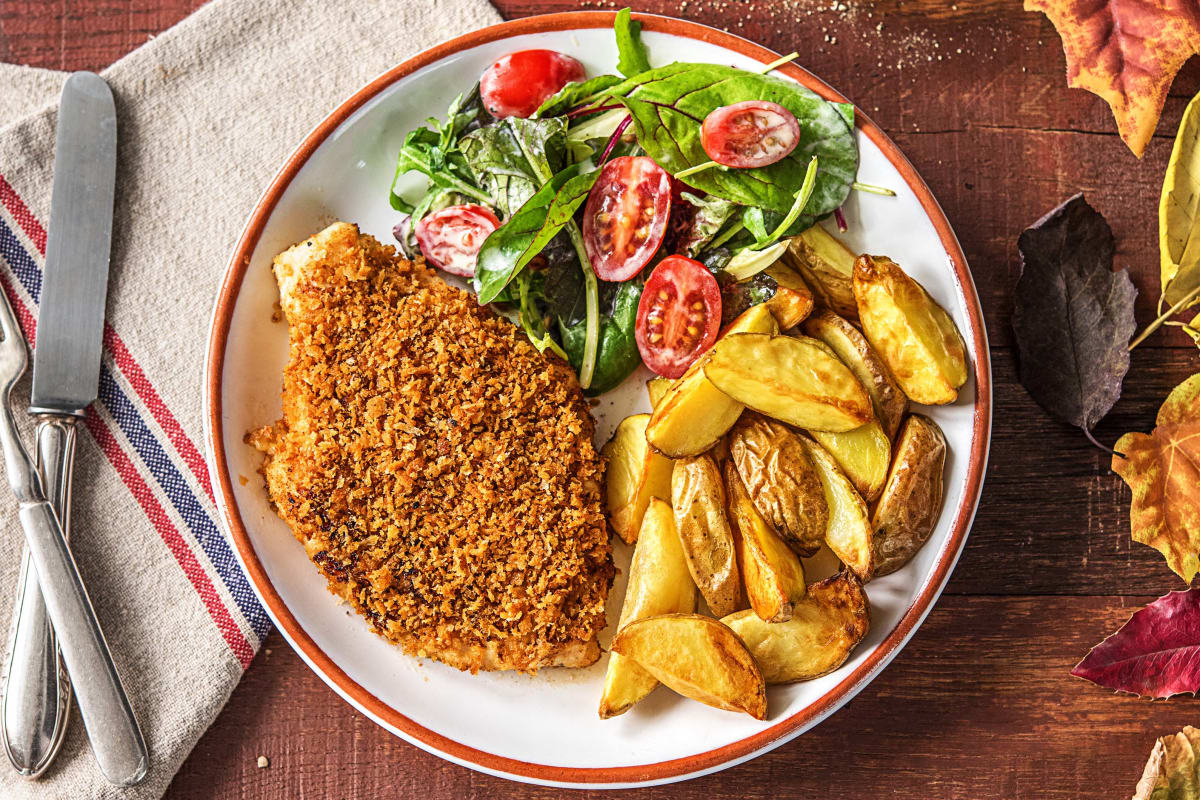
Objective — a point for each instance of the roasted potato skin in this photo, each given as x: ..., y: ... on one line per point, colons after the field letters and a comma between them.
x: 849, y: 534
x: 698, y: 657
x: 827, y: 266
x: 635, y: 474
x: 911, y: 502
x: 698, y: 499
x: 888, y: 400
x: 824, y: 629
x: 659, y: 583
x: 771, y: 572
x: 781, y: 481
x: 693, y: 415
x: 793, y: 301
x: 914, y: 336
x: 794, y: 379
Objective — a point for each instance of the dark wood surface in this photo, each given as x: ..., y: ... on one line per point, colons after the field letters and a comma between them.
x: 980, y: 704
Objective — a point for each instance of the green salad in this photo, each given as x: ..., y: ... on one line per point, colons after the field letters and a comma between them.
x: 623, y: 216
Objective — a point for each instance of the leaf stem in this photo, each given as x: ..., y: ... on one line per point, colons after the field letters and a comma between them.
x: 695, y: 169
x: 591, y: 341
x: 806, y: 190
x: 729, y: 233
x: 840, y: 218
x: 872, y: 189
x: 779, y: 62
x: 612, y: 142
x: 1092, y: 439
x: 1170, y: 312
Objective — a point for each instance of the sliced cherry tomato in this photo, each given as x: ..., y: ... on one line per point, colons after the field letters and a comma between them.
x: 451, y: 238
x: 755, y: 133
x: 626, y: 216
x: 520, y: 82
x: 678, y: 315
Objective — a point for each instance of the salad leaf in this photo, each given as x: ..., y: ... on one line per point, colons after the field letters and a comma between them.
x: 738, y: 296
x: 749, y: 262
x: 668, y: 105
x: 632, y: 58
x: 617, y: 354
x: 434, y: 152
x: 563, y: 289
x: 515, y: 243
x: 711, y: 215
x: 532, y: 321
x: 514, y: 157
x: 575, y: 94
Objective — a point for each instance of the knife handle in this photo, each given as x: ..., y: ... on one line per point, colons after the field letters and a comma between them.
x: 37, y: 689
x: 112, y: 728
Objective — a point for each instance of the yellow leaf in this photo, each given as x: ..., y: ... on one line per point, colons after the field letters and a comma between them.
x: 1173, y: 771
x: 1163, y: 471
x: 1179, y: 212
x: 1127, y: 53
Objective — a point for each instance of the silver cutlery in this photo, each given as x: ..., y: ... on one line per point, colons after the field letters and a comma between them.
x: 66, y: 371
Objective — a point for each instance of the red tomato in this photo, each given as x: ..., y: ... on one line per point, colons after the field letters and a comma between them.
x: 451, y: 238
x: 520, y: 82
x: 626, y: 216
x: 678, y: 315
x: 755, y: 133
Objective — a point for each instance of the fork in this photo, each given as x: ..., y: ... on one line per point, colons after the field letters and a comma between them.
x: 112, y: 728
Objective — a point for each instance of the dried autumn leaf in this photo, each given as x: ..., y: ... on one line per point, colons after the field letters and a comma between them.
x: 1173, y: 771
x: 1127, y: 53
x: 1163, y: 470
x: 1155, y: 654
x: 1179, y: 212
x: 1073, y: 315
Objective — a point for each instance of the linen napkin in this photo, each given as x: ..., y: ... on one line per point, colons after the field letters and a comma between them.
x: 207, y: 112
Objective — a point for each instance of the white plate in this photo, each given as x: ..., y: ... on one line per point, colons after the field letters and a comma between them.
x: 544, y: 729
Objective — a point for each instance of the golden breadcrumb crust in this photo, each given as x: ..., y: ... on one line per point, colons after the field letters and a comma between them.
x: 438, y: 469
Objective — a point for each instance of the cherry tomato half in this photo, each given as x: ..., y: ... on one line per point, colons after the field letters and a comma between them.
x: 678, y: 315
x: 755, y: 133
x: 520, y: 82
x: 626, y: 216
x: 451, y: 238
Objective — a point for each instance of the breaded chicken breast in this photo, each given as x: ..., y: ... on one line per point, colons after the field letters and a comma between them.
x: 438, y: 469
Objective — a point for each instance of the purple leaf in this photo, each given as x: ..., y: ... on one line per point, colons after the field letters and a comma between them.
x: 1155, y: 654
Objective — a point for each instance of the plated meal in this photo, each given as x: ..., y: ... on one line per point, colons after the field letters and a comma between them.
x: 435, y: 455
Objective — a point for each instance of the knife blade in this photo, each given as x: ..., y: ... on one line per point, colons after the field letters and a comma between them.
x: 66, y: 371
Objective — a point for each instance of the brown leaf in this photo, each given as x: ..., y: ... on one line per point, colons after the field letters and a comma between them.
x: 1163, y: 470
x: 1127, y: 53
x: 1173, y: 771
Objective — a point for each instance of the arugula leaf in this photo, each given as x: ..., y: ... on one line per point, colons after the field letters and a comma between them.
x: 617, y: 354
x: 514, y: 157
x: 711, y: 215
x: 434, y: 152
x: 514, y: 244
x: 574, y: 94
x: 668, y: 105
x: 532, y: 321
x: 632, y: 58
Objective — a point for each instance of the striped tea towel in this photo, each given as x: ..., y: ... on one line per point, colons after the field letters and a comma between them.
x: 207, y: 112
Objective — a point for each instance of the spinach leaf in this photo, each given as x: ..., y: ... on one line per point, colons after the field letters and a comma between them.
x: 514, y: 244
x: 711, y: 215
x: 617, y: 355
x: 632, y: 58
x: 562, y: 287
x: 514, y: 157
x: 668, y: 105
x: 574, y: 94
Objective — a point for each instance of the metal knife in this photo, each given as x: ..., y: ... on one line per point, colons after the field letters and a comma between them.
x: 66, y: 375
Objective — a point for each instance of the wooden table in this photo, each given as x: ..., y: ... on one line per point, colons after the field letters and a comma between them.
x: 980, y: 704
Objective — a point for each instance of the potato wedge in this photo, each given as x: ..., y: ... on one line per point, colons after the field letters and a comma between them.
x: 863, y: 454
x: 659, y: 583
x: 657, y: 389
x: 913, y: 335
x: 911, y: 502
x: 771, y: 572
x: 827, y: 266
x: 849, y: 533
x: 694, y: 414
x: 635, y: 474
x: 790, y: 379
x: 793, y: 301
x: 699, y: 658
x: 824, y: 629
x: 856, y: 353
x: 698, y: 499
x: 781, y: 481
